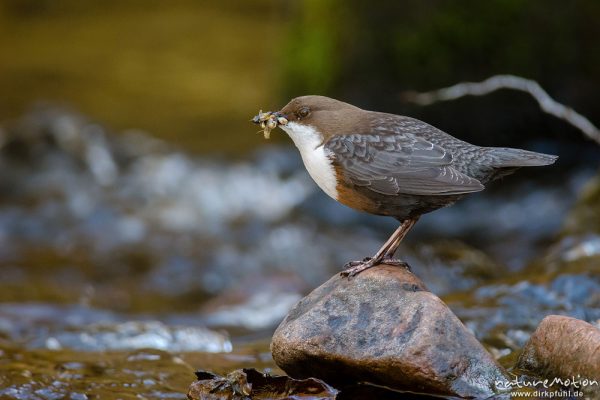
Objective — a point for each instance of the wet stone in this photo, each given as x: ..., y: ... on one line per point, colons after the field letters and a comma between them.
x: 563, y: 347
x: 385, y: 328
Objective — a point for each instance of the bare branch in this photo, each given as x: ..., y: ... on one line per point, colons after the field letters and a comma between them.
x: 547, y: 104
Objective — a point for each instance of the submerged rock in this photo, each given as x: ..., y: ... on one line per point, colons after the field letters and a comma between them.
x: 563, y: 347
x: 504, y: 314
x: 385, y: 328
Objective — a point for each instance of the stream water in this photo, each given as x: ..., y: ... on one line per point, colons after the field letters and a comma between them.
x: 126, y: 264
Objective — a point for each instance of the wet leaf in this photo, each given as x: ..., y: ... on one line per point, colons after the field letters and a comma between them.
x: 251, y: 384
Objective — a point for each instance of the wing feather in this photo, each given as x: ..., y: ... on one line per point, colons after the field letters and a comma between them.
x: 399, y: 163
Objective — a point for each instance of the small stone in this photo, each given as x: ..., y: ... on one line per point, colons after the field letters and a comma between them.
x: 385, y: 328
x: 563, y: 347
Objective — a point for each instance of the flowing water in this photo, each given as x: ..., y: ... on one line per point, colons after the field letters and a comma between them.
x: 126, y: 264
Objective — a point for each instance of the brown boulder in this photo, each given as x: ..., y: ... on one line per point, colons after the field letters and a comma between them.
x: 383, y: 327
x: 563, y: 347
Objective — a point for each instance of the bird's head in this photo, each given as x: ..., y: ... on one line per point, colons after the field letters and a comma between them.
x: 323, y: 114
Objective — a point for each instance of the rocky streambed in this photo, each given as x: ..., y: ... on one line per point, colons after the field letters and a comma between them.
x: 126, y: 265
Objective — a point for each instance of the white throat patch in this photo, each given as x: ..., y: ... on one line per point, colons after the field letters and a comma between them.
x: 316, y: 158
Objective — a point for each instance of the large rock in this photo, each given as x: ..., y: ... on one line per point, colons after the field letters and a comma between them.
x: 385, y: 328
x: 563, y: 347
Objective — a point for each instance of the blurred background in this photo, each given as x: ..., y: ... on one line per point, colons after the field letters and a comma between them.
x: 145, y: 224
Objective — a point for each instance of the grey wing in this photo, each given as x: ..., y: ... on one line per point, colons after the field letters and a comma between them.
x: 399, y: 164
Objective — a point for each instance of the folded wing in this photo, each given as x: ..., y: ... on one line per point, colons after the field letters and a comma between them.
x: 398, y: 163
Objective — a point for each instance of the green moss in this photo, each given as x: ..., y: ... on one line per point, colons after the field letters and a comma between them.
x: 310, y: 53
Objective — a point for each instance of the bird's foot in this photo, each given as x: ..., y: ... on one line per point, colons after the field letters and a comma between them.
x: 351, y: 264
x: 354, y: 268
x: 395, y: 262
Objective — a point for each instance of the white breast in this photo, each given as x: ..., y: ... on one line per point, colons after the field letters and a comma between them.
x: 317, y: 159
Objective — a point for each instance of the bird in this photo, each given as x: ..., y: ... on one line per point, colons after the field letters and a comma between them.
x: 387, y: 164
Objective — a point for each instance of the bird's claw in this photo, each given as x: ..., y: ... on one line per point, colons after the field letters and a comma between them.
x: 351, y: 264
x: 354, y: 268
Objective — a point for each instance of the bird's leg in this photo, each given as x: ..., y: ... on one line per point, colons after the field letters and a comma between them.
x: 388, y: 257
x: 388, y: 249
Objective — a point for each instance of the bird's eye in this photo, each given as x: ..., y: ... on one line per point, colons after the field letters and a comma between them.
x: 303, y: 112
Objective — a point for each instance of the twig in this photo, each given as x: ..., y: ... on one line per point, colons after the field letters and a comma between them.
x: 547, y: 104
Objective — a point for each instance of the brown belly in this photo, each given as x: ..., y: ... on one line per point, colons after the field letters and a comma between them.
x: 401, y: 206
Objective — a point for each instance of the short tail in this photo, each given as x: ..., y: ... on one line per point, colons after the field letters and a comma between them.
x: 502, y: 157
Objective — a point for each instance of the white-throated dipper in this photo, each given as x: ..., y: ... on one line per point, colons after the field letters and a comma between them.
x: 388, y: 164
